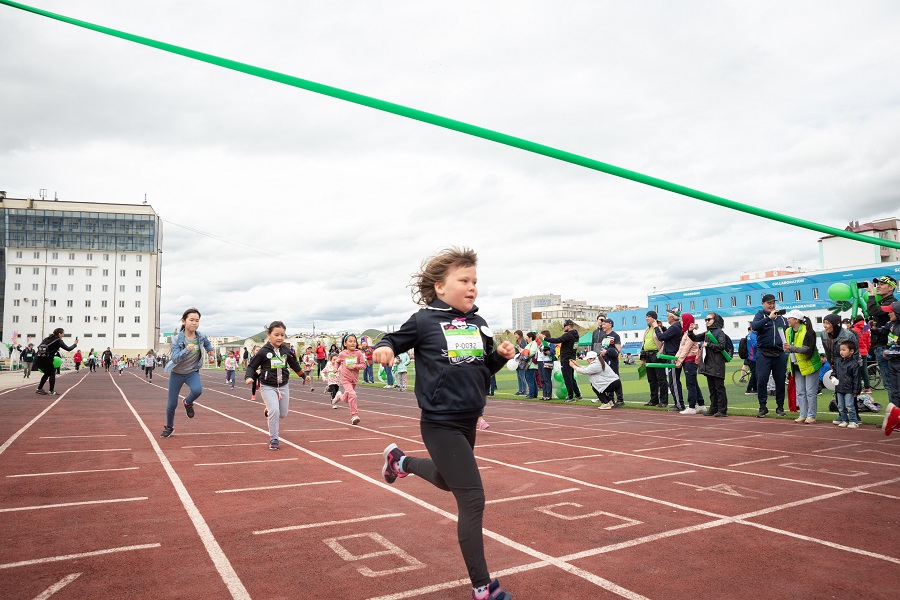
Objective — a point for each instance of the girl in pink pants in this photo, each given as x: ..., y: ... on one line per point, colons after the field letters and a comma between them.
x: 350, y: 362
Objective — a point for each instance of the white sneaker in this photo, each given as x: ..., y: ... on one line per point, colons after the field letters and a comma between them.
x: 606, y: 406
x: 853, y: 426
x: 595, y: 400
x: 387, y: 387
x: 844, y: 424
x: 688, y: 411
x: 810, y: 420
x: 800, y: 420
x: 354, y: 420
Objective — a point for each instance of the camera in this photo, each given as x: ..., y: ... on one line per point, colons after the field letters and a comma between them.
x: 781, y: 312
x: 862, y: 285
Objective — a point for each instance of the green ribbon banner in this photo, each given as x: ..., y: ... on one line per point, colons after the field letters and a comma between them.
x: 461, y: 127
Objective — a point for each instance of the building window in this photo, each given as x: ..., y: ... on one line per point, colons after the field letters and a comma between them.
x: 137, y: 273
x: 37, y: 254
x: 52, y: 319
x: 52, y: 287
x: 121, y: 272
x: 705, y: 304
x: 68, y: 319
x: 17, y: 286
x: 87, y: 303
x: 71, y: 272
x: 137, y: 319
x: 106, y: 272
x: 89, y: 335
x: 101, y: 335
x: 797, y: 294
x: 137, y: 288
x: 15, y: 319
x: 34, y: 302
x: 815, y: 293
x: 70, y: 287
x: 121, y: 304
x: 102, y: 320
x: 87, y: 288
x: 69, y: 303
x: 623, y: 321
x: 135, y: 335
x: 121, y: 319
x: 103, y: 304
x: 122, y: 335
x: 781, y: 296
x: 88, y: 272
x: 692, y: 305
x: 734, y: 301
x: 121, y: 288
x: 106, y: 257
x: 749, y: 300
x: 36, y: 271
x: 34, y: 287
x: 819, y: 320
x: 52, y: 303
x: 137, y: 303
x: 34, y: 319
x: 104, y: 288
x: 18, y: 255
x: 634, y: 320
x: 53, y: 271
x: 139, y: 258
x: 19, y: 269
x: 122, y: 257
x: 71, y: 256
x: 56, y: 256
x: 90, y: 256
x: 15, y: 303
x: 87, y: 319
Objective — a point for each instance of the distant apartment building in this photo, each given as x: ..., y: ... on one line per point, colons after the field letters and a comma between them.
x: 92, y: 269
x: 836, y: 252
x: 523, y: 307
x: 584, y: 314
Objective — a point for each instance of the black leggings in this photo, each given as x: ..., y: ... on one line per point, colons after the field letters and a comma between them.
x: 49, y: 375
x: 610, y: 393
x: 333, y: 390
x: 452, y: 468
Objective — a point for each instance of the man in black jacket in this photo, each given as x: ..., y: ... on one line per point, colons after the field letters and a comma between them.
x: 567, y: 342
x: 671, y: 338
x: 769, y: 325
x: 882, y: 298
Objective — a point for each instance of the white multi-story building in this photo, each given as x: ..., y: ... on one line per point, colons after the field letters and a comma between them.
x: 837, y: 252
x: 92, y: 269
x: 524, y: 306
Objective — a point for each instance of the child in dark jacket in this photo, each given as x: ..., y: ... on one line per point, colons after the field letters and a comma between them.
x: 455, y: 357
x: 845, y: 375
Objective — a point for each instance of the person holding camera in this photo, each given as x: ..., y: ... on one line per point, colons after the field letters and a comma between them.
x: 879, y: 305
x: 771, y: 359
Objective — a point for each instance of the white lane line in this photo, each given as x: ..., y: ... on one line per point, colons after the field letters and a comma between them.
x: 823, y: 542
x: 64, y: 437
x: 74, y: 472
x: 740, y: 437
x: 381, y: 453
x: 750, y: 462
x: 223, y: 565
x: 211, y: 432
x: 276, y: 487
x: 319, y: 429
x: 835, y: 448
x: 513, y: 498
x: 652, y: 477
x: 244, y: 462
x: 534, y: 462
x: 480, y: 446
x: 38, y: 561
x: 344, y: 440
x: 57, y: 586
x: 228, y: 445
x: 80, y: 451
x: 3, y: 510
x: 586, y: 437
x: 877, y: 494
x: 660, y: 448
x: 329, y: 523
x: 25, y: 427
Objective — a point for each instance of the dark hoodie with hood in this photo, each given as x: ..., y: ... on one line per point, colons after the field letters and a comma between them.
x: 891, y: 333
x: 832, y: 342
x: 450, y: 386
x: 713, y: 363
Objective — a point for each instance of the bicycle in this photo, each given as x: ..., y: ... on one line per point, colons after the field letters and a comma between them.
x: 875, y: 377
x: 741, y: 377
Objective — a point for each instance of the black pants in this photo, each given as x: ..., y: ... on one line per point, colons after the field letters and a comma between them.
x: 659, y: 388
x: 718, y: 399
x: 620, y: 398
x: 77, y: 366
x: 569, y: 379
x: 673, y: 376
x: 751, y: 378
x: 611, y: 392
x: 49, y: 374
x: 452, y: 468
x: 320, y: 363
x: 777, y: 367
x: 106, y: 364
x: 148, y: 372
x: 333, y: 390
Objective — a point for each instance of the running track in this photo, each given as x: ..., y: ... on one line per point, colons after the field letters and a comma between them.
x: 581, y: 503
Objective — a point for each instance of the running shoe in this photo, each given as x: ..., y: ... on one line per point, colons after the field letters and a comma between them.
x: 494, y: 592
x: 891, y: 419
x: 482, y: 424
x: 334, y: 402
x: 391, y: 469
x: 167, y: 431
x: 689, y: 411
x: 354, y: 420
x: 189, y: 409
x: 273, y: 445
x: 40, y: 391
x: 606, y: 406
x: 266, y: 413
x: 853, y: 426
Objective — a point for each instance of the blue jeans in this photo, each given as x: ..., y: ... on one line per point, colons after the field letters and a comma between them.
x: 695, y: 396
x: 520, y: 378
x: 892, y: 375
x: 884, y: 365
x: 547, y: 381
x: 807, y: 393
x: 368, y: 375
x: 388, y: 375
x: 177, y: 380
x: 778, y: 369
x: 531, y: 380
x: 493, y: 384
x: 847, y: 408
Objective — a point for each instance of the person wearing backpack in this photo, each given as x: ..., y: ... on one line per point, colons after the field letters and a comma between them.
x: 43, y: 359
x: 712, y: 363
x: 747, y: 351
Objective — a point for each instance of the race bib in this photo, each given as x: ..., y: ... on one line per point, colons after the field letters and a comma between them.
x: 463, y: 342
x: 278, y: 362
x: 350, y: 361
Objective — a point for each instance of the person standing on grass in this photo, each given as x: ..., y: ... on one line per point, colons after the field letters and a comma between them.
x: 521, y: 380
x: 656, y: 378
x: 713, y: 363
x: 531, y: 370
x: 879, y: 305
x: 805, y: 364
x: 890, y: 352
x: 272, y: 362
x: 184, y: 367
x: 402, y: 364
x: 321, y: 357
x: 567, y: 342
x: 455, y: 356
x: 686, y: 357
x: 769, y: 325
x: 671, y: 338
x: 864, y: 337
x: 350, y: 361
x: 44, y: 359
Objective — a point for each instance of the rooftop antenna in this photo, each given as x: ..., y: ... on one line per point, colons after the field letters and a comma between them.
x: 145, y: 198
x: 43, y: 193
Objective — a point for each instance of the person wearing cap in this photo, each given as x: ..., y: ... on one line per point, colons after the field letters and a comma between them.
x: 27, y: 360
x: 567, y: 342
x: 879, y: 305
x: 650, y: 347
x: 671, y: 338
x: 803, y: 356
x: 891, y: 354
x: 604, y: 381
x: 771, y: 359
x: 607, y: 344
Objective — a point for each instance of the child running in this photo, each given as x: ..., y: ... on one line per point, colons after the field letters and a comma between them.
x: 330, y: 374
x: 254, y: 385
x: 605, y: 382
x: 309, y: 363
x: 149, y: 363
x: 455, y: 358
x: 184, y: 366
x: 272, y: 362
x: 230, y: 368
x: 350, y: 361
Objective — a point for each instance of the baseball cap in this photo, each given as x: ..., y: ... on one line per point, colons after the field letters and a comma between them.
x: 886, y: 279
x: 796, y: 314
x: 610, y: 321
x: 768, y: 297
x: 569, y: 322
x: 674, y: 312
x: 590, y: 355
x: 652, y: 314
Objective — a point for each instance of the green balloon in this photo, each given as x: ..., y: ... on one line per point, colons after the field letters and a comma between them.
x: 839, y: 292
x: 57, y: 362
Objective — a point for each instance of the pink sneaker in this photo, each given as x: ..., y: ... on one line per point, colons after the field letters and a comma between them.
x: 391, y: 469
x: 482, y: 424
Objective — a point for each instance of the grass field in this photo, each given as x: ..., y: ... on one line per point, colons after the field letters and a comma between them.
x: 637, y: 392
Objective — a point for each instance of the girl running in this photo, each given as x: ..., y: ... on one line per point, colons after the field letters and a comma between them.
x: 455, y: 357
x: 350, y: 361
x: 230, y: 367
x: 184, y: 367
x: 149, y: 364
x: 309, y: 363
x: 254, y: 385
x: 272, y: 362
x: 330, y: 374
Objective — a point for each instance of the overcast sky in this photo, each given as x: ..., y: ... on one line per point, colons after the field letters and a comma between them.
x: 327, y: 207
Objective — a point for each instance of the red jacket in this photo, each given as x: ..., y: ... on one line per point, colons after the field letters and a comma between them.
x: 865, y: 338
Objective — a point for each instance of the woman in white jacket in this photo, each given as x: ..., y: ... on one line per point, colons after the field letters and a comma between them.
x: 604, y: 381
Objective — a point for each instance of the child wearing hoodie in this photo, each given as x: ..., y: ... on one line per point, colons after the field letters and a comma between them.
x: 350, y: 361
x: 845, y: 376
x: 330, y: 374
x: 604, y: 381
x: 687, y: 356
x: 712, y: 363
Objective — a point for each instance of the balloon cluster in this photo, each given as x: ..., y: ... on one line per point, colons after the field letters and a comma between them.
x: 848, y: 297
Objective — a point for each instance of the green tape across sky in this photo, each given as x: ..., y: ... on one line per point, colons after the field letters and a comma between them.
x: 461, y: 127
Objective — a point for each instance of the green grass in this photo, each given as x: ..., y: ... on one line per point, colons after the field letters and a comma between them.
x: 637, y: 392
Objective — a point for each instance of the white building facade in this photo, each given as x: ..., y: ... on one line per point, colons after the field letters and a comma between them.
x: 92, y: 269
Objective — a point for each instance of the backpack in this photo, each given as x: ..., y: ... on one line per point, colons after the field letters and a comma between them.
x: 42, y: 350
x: 729, y: 345
x: 742, y: 349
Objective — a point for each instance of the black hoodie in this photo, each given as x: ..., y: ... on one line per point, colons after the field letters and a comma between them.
x: 450, y: 386
x: 277, y: 375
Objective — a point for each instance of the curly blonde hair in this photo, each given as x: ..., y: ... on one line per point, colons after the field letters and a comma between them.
x: 435, y: 270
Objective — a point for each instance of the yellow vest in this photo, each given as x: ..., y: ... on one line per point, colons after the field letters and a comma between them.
x: 807, y: 364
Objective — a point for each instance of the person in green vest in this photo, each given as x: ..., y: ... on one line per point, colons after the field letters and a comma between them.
x: 803, y: 357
